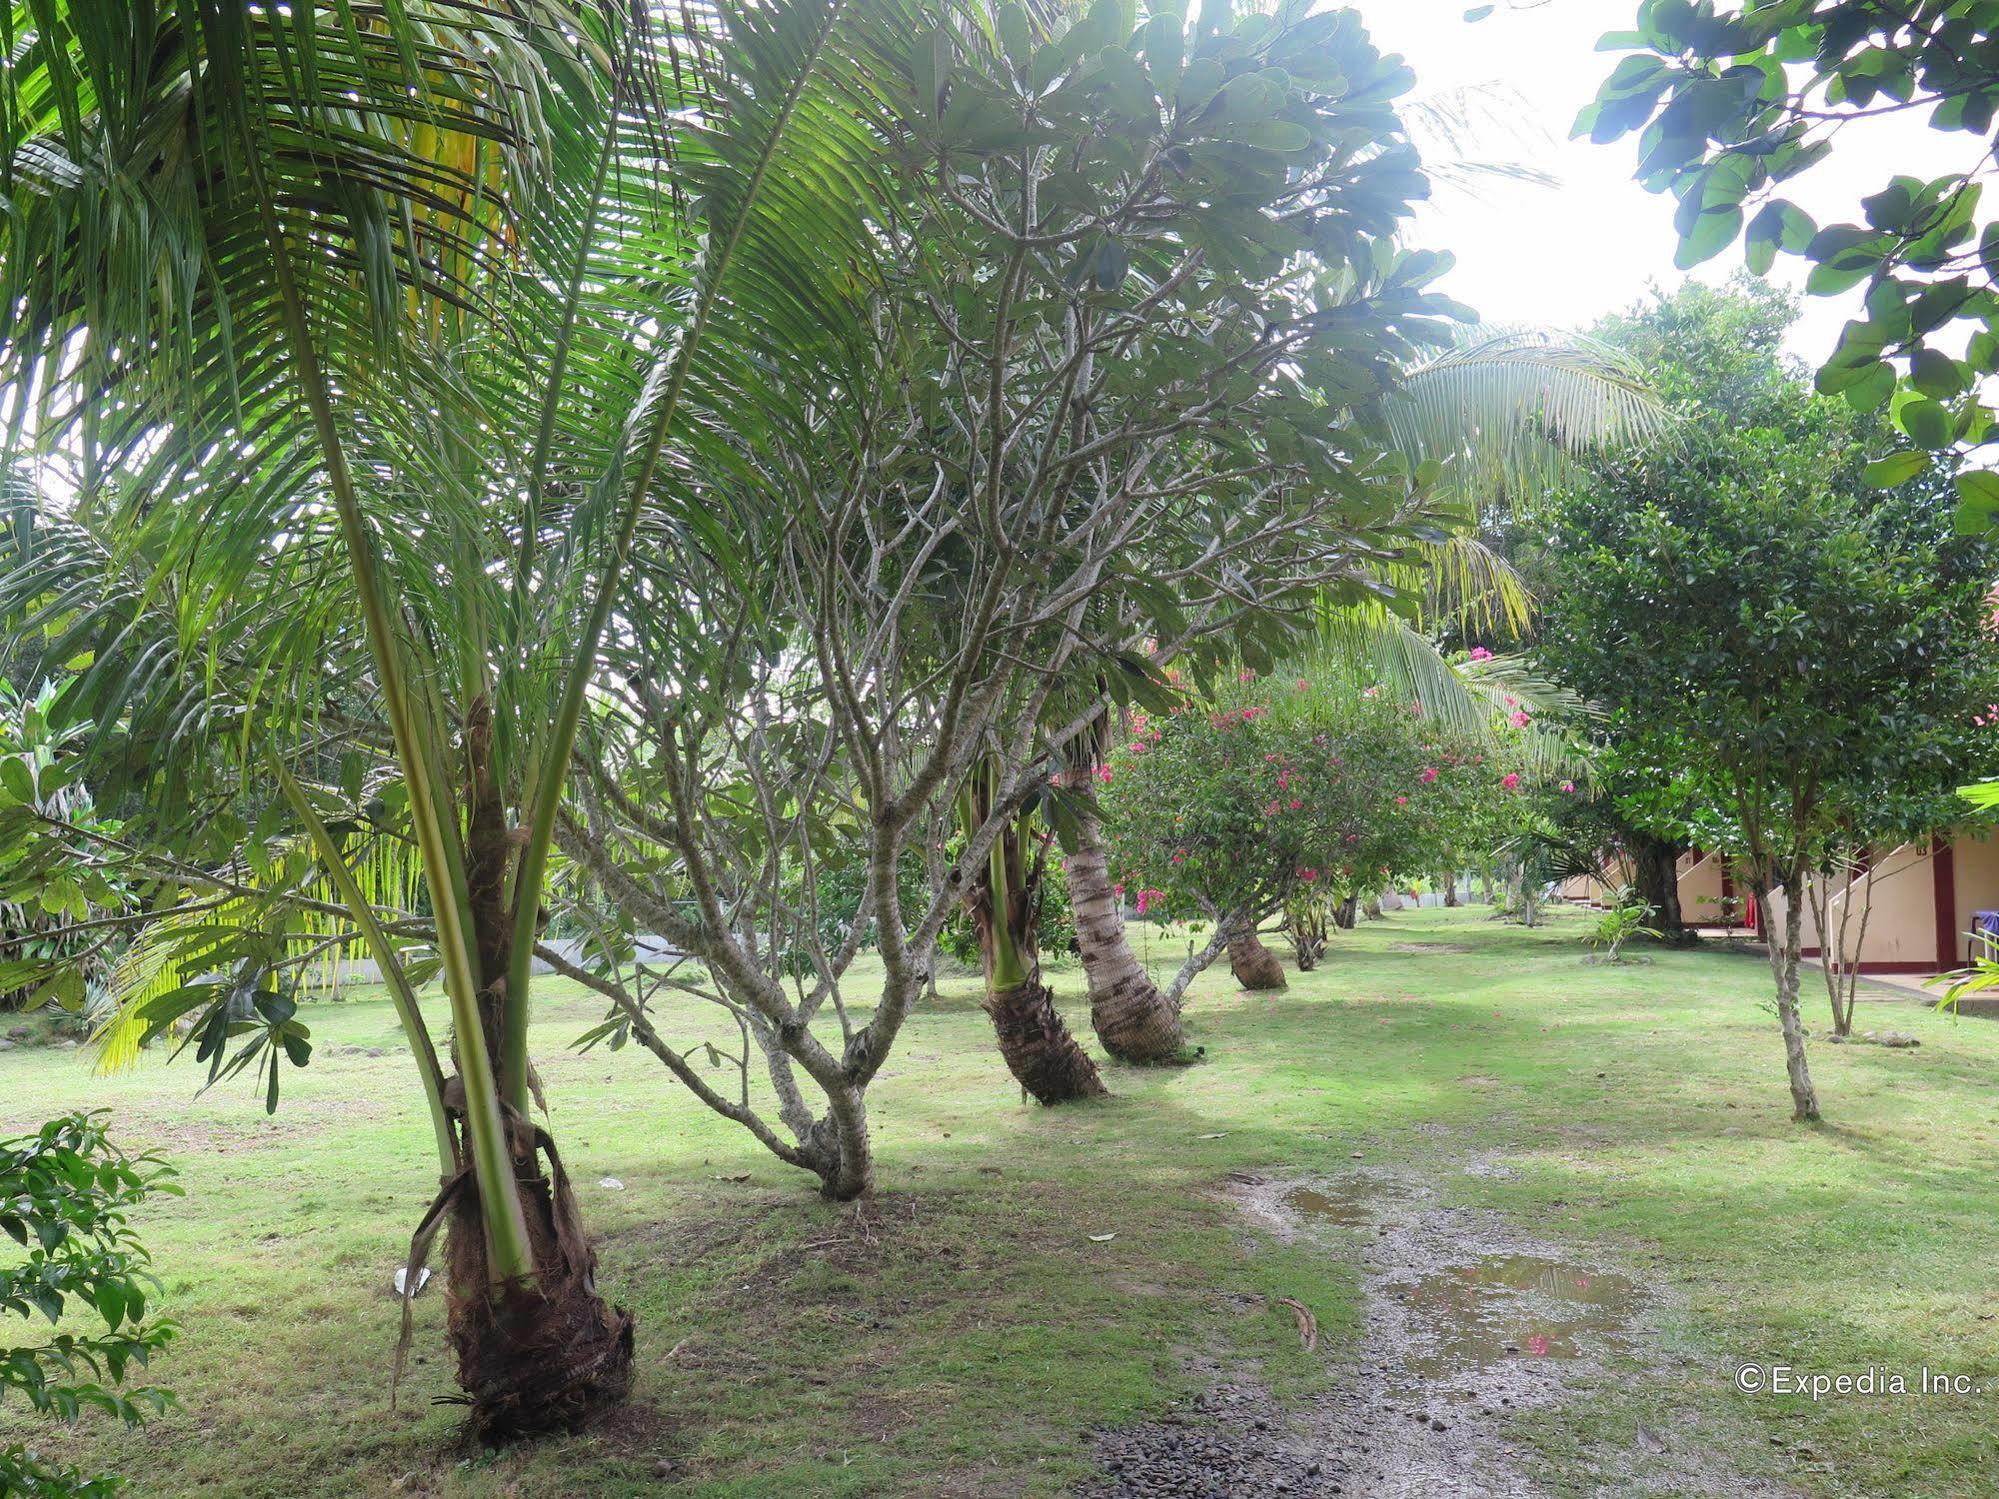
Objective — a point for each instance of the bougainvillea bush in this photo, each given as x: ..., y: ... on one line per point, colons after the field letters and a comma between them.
x: 1224, y: 810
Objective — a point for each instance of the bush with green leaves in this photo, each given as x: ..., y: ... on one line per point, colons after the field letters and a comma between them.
x: 1629, y: 918
x: 1226, y: 811
x: 66, y: 1194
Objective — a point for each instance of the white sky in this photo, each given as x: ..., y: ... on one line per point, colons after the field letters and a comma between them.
x: 1561, y: 257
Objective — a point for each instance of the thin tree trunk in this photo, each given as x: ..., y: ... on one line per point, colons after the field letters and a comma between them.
x: 1254, y: 965
x: 1655, y: 866
x: 1133, y: 1019
x: 1372, y: 908
x: 1346, y: 915
x: 550, y: 1354
x: 1784, y: 968
x: 1485, y: 887
x: 1450, y: 886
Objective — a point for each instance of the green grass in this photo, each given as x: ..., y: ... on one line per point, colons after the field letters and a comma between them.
x: 965, y: 1334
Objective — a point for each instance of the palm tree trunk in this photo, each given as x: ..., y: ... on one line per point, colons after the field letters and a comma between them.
x: 1033, y: 1040
x: 1254, y: 965
x: 540, y: 1353
x: 1133, y: 1019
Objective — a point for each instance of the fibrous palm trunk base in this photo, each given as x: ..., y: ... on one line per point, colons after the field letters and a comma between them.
x: 1254, y: 965
x: 534, y: 1358
x: 1137, y: 1023
x: 1037, y: 1046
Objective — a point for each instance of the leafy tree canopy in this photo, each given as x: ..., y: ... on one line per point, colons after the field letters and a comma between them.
x: 1733, y: 103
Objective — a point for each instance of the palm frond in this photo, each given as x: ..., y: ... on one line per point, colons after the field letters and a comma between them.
x: 1505, y: 411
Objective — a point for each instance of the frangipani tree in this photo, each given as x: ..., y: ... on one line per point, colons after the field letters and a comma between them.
x: 1133, y: 278
x: 377, y: 344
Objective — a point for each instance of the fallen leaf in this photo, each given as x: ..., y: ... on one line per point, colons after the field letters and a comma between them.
x: 1223, y: 1135
x: 1102, y: 1238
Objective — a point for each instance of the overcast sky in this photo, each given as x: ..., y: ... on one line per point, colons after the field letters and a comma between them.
x: 1562, y: 256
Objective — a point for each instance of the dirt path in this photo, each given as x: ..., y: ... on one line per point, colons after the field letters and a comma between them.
x: 1470, y: 1327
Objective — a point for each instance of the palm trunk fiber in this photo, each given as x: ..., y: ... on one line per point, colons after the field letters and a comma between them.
x: 1254, y: 965
x: 1033, y: 1040
x: 551, y: 1354
x: 534, y: 1358
x: 1133, y: 1019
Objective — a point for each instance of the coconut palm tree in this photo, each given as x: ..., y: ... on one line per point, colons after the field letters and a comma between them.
x: 366, y: 345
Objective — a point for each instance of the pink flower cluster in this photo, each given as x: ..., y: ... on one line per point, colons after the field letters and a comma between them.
x: 1148, y: 899
x: 1480, y: 653
x: 1989, y: 718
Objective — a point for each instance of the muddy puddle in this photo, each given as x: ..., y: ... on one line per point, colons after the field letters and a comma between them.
x: 1516, y: 1306
x: 1474, y: 1334
x: 1351, y: 1202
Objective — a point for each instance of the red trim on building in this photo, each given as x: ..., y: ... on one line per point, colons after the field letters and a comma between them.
x: 1943, y: 885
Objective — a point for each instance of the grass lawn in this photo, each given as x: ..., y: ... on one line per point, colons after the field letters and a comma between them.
x: 965, y: 1332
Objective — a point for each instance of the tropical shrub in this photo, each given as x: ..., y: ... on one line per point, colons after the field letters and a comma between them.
x: 65, y: 1197
x: 1231, y: 810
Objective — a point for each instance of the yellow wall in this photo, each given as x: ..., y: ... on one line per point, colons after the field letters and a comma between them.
x: 1901, y: 915
x: 1975, y: 865
x: 1700, y: 890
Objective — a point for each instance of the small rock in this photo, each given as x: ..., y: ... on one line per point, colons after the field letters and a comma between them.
x: 18, y: 1033
x: 611, y: 1184
x: 1893, y: 1038
x: 1649, y: 1440
x: 5, y: 1044
x: 71, y: 1044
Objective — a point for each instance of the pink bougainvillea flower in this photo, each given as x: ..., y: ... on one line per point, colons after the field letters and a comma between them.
x: 1303, y: 684
x: 1511, y: 700
x: 1569, y: 788
x: 1480, y: 653
x: 1537, y: 1344
x: 1401, y: 801
x: 1429, y: 774
x: 1308, y: 875
x: 1520, y: 718
x: 1511, y: 780
x: 1104, y: 774
x: 1372, y: 692
x: 1296, y: 805
x: 1272, y: 810
x: 1245, y: 675
x: 1270, y: 759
